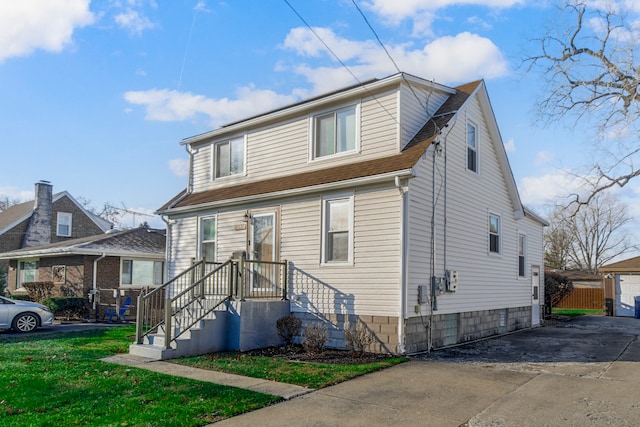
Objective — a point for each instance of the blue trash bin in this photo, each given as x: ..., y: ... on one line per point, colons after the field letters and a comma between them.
x: 637, y: 307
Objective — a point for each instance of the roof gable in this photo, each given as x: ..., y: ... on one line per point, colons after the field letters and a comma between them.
x: 140, y: 242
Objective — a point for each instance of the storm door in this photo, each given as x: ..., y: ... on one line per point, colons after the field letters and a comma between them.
x: 263, y: 249
x: 535, y: 296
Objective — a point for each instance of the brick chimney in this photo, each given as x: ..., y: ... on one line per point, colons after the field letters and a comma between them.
x: 39, y: 229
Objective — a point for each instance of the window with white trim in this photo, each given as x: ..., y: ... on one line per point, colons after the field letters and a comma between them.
x: 137, y: 272
x: 208, y: 238
x: 335, y: 132
x: 64, y: 222
x: 337, y: 239
x: 228, y: 157
x: 494, y: 234
x: 27, y: 272
x: 522, y: 255
x: 472, y: 147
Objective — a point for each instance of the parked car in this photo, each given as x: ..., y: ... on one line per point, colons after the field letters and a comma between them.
x: 23, y: 316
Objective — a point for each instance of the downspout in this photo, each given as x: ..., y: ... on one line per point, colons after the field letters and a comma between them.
x: 403, y: 264
x: 94, y: 286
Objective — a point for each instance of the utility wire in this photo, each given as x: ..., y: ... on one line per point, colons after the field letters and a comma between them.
x: 343, y: 64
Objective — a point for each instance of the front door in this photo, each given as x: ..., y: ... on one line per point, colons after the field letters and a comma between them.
x: 263, y: 250
x: 535, y: 296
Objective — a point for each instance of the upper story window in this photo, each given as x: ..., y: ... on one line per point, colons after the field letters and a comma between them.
x: 472, y: 147
x: 337, y: 241
x: 522, y: 255
x: 229, y: 157
x: 494, y: 234
x: 64, y: 224
x: 208, y: 238
x: 136, y: 272
x: 335, y: 132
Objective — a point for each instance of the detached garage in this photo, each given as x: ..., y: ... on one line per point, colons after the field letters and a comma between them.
x: 622, y: 285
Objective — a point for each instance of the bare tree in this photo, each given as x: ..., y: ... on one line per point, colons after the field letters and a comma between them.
x: 557, y: 242
x: 593, y: 75
x: 6, y: 203
x: 591, y: 236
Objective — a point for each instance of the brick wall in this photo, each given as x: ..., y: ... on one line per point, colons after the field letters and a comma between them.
x: 81, y: 224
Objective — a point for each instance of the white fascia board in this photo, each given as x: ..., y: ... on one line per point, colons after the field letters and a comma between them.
x: 406, y: 173
x: 364, y: 89
x: 44, y: 253
x: 503, y: 160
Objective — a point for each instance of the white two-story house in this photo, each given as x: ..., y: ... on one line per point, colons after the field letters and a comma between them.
x: 391, y: 202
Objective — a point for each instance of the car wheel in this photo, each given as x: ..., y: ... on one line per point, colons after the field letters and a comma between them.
x: 25, y: 322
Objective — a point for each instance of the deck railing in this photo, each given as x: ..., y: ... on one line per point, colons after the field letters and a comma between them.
x: 193, y: 294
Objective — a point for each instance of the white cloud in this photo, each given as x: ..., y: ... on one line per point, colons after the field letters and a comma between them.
x: 447, y: 59
x: 179, y: 167
x: 133, y: 22
x: 510, y: 146
x: 546, y: 190
x: 543, y: 157
x: 15, y: 194
x: 27, y: 25
x: 423, y: 12
x: 170, y: 105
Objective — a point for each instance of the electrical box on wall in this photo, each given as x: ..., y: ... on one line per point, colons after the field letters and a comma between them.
x: 452, y: 280
x: 423, y: 295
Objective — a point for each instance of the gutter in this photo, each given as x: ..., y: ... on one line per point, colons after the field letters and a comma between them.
x: 405, y: 173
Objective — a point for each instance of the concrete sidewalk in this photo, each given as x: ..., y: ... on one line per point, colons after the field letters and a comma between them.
x: 286, y: 391
x: 580, y: 373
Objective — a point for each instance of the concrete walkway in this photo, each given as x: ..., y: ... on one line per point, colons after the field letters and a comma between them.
x: 580, y: 373
x: 286, y: 391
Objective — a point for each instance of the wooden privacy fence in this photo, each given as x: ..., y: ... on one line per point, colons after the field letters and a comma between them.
x: 583, y: 298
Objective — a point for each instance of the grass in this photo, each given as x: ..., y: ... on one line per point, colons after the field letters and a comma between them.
x: 58, y: 380
x: 574, y: 312
x: 314, y: 375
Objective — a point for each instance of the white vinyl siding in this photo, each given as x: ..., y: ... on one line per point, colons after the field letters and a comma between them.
x: 413, y: 103
x: 485, y: 281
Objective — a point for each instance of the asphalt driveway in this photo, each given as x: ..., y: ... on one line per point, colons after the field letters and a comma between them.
x: 585, y: 372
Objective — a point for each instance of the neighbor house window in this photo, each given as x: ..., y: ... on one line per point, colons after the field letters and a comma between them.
x: 494, y: 234
x: 522, y: 253
x: 64, y: 224
x: 27, y: 272
x: 229, y: 157
x: 472, y: 148
x: 335, y: 132
x: 338, y: 230
x: 141, y: 272
x: 208, y: 238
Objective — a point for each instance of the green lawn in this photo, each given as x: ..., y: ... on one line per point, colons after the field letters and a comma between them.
x: 58, y: 380
x: 574, y: 312
x: 314, y: 375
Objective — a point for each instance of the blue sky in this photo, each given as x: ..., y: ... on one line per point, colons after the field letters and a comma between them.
x: 97, y: 95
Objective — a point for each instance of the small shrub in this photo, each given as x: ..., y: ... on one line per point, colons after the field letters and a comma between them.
x: 67, y: 307
x: 315, y: 338
x: 358, y: 338
x: 288, y: 327
x: 38, y: 291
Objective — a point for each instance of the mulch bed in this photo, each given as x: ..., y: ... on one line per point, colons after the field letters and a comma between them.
x: 298, y: 354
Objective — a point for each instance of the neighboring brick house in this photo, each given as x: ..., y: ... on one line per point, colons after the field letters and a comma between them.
x: 49, y: 218
x: 102, y: 268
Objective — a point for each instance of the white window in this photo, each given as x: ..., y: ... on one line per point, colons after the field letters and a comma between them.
x: 64, y: 224
x: 208, y: 238
x: 522, y: 255
x: 494, y: 234
x: 27, y: 272
x: 136, y: 272
x: 472, y: 147
x: 229, y: 157
x: 335, y: 132
x: 337, y: 245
